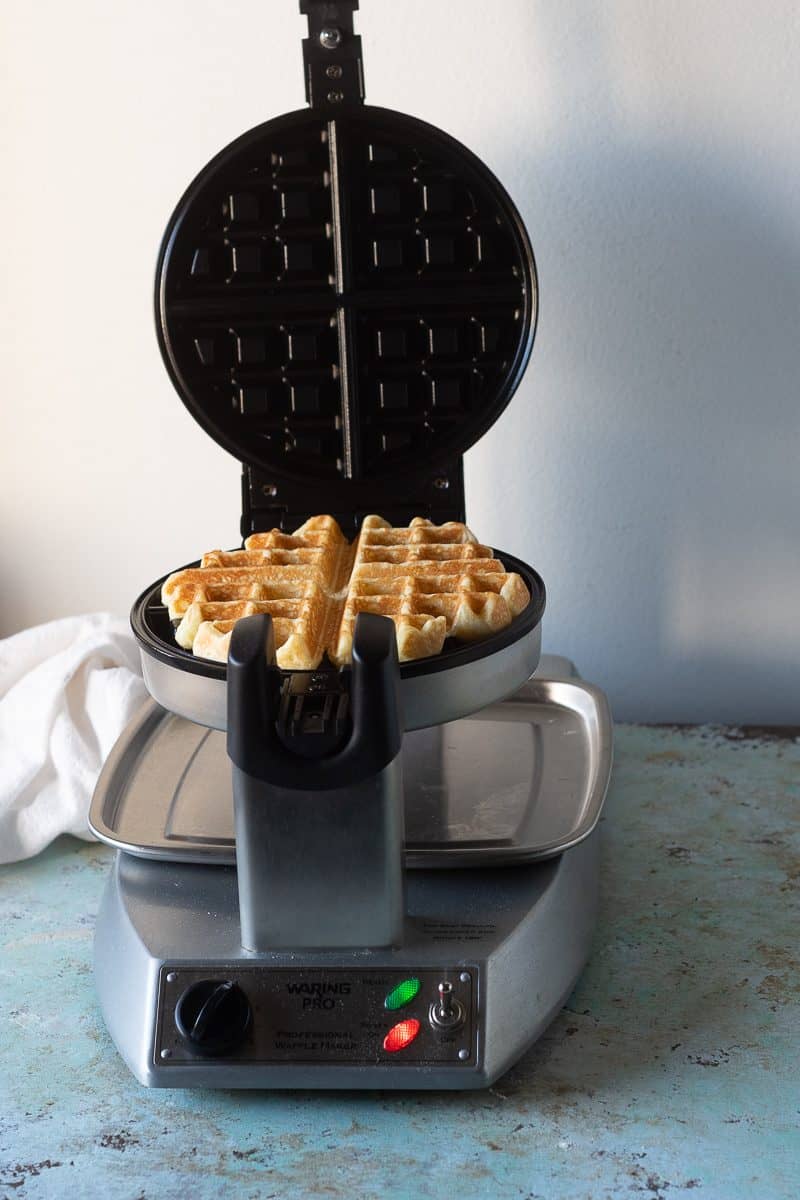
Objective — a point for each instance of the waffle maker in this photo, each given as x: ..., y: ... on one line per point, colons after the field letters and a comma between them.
x: 383, y: 876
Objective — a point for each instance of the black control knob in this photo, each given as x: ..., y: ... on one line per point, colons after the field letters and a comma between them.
x: 213, y: 1015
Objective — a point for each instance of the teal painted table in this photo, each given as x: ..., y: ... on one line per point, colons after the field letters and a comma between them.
x: 673, y: 1070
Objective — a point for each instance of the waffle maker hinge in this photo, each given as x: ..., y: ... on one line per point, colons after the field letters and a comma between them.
x: 270, y: 502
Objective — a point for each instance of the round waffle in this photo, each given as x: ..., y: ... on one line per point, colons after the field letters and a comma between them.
x: 461, y: 678
x: 434, y: 581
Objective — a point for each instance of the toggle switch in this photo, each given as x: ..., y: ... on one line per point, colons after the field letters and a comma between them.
x: 447, y: 1012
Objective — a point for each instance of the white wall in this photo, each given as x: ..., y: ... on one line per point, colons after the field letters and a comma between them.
x: 648, y: 465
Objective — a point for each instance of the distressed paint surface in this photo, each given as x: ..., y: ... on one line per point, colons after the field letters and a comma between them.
x: 672, y: 1072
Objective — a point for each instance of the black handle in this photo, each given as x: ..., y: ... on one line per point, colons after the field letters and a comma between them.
x: 334, y: 69
x: 254, y: 693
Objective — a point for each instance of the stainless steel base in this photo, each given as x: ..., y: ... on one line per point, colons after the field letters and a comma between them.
x: 510, y: 940
x: 513, y: 939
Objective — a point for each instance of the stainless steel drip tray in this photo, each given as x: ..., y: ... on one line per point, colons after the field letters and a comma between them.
x: 521, y: 780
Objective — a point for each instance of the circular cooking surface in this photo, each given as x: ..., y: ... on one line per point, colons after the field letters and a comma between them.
x: 155, y: 633
x: 348, y: 298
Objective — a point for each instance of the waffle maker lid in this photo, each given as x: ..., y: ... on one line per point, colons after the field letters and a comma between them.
x: 346, y: 300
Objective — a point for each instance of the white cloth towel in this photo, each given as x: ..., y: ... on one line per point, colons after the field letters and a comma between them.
x: 67, y: 690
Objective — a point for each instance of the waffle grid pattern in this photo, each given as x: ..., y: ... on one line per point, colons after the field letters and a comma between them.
x: 434, y: 581
x: 289, y: 576
x: 342, y: 298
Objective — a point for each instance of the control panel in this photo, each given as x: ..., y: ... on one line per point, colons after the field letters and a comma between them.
x: 258, y: 1014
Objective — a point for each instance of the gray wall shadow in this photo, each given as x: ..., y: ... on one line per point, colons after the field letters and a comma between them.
x: 659, y: 440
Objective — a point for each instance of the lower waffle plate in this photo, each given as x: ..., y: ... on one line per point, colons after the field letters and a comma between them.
x: 523, y: 779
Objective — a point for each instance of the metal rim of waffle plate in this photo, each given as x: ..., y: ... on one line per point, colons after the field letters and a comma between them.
x: 458, y: 681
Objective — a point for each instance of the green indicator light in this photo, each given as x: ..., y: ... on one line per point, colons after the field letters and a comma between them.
x: 403, y: 994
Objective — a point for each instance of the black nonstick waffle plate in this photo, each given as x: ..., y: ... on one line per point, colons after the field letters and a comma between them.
x: 346, y: 304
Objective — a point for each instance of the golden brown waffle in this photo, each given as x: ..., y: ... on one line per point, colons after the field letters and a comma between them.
x: 289, y: 576
x: 434, y: 581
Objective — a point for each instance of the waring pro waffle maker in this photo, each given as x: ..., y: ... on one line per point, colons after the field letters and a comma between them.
x: 382, y: 876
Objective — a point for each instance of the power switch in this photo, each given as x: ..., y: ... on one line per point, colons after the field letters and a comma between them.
x: 446, y: 1013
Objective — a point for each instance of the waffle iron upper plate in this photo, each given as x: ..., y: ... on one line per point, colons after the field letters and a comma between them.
x: 346, y: 303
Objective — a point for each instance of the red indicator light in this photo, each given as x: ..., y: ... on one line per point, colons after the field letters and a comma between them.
x: 401, y: 1035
